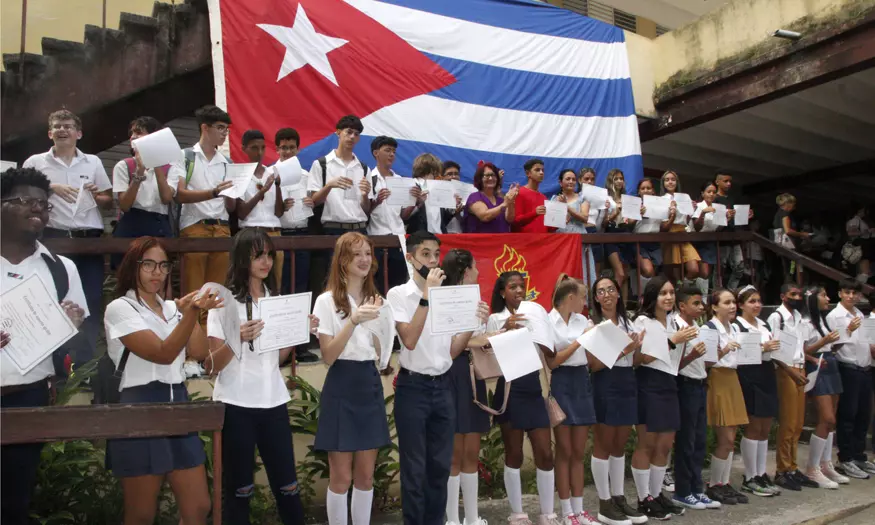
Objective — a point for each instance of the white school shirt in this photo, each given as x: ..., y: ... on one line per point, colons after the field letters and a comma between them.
x: 254, y: 380
x: 730, y: 360
x: 385, y: 219
x: 337, y: 208
x: 792, y: 324
x: 765, y: 333
x: 261, y: 214
x: 360, y: 346
x: 127, y: 315
x: 84, y: 169
x: 455, y: 225
x: 565, y: 334
x: 432, y: 353
x: 849, y: 352
x: 708, y: 225
x: 148, y: 197
x: 860, y: 225
x: 811, y: 335
x: 647, y: 226
x: 695, y: 369
x: 287, y: 220
x: 12, y: 276
x: 629, y: 328
x: 679, y: 218
x: 675, y: 354
x: 205, y: 175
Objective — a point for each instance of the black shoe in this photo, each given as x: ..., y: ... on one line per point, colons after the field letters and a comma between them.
x: 739, y: 497
x: 804, y: 480
x: 718, y: 493
x: 630, y: 512
x: 305, y: 356
x: 670, y: 506
x: 652, y: 509
x: 786, y: 480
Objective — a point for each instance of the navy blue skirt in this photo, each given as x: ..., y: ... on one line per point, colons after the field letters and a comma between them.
x: 616, y: 396
x: 598, y: 250
x: 707, y: 252
x: 572, y: 389
x: 154, y: 456
x: 352, y: 414
x: 759, y: 386
x: 658, y: 406
x: 829, y: 380
x: 651, y: 251
x: 469, y: 417
x: 526, y: 408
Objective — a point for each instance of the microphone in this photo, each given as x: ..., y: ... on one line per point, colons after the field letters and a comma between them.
x: 249, y: 318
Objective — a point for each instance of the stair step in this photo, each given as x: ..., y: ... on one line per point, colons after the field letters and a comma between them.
x: 35, y: 66
x: 66, y: 50
x: 103, y: 38
x: 138, y: 24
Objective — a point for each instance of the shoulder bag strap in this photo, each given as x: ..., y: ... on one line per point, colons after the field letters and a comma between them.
x: 485, y: 408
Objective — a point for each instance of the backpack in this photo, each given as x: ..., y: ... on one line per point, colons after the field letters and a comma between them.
x: 62, y: 286
x: 176, y: 208
x: 314, y: 224
x: 109, y: 377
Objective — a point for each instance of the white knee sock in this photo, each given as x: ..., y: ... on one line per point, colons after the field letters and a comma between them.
x: 762, y: 454
x: 657, y: 476
x: 576, y: 504
x: 601, y: 477
x: 815, y: 451
x: 361, y: 506
x: 642, y: 482
x: 546, y: 487
x: 749, y: 450
x: 827, y: 449
x: 469, y: 497
x: 514, y: 489
x: 703, y: 285
x: 336, y: 506
x: 618, y: 473
x: 727, y: 469
x: 717, y: 467
x: 453, y: 499
x: 565, y: 507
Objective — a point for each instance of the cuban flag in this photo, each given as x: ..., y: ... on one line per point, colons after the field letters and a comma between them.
x: 467, y: 80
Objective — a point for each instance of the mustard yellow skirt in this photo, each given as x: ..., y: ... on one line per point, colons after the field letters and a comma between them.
x: 725, y: 399
x: 674, y: 253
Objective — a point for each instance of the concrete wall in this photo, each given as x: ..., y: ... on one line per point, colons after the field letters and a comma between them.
x: 640, y: 50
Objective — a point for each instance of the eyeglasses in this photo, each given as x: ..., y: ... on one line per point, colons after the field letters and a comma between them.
x: 149, y: 265
x: 601, y: 292
x: 221, y: 128
x: 42, y: 204
x: 65, y: 127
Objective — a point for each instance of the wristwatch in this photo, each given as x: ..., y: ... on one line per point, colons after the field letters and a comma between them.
x: 215, y: 192
x: 423, y: 302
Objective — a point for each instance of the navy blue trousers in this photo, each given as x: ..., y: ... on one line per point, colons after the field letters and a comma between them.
x: 397, y: 269
x: 140, y: 223
x: 19, y: 463
x: 854, y: 413
x: 426, y: 421
x: 689, y: 454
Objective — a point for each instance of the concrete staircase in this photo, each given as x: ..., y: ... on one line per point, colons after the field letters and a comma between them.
x: 159, y: 66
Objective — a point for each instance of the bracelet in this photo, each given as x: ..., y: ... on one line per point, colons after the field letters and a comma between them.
x: 423, y: 302
x: 215, y: 192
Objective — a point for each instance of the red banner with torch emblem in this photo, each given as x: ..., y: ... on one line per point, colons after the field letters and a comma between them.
x: 539, y: 257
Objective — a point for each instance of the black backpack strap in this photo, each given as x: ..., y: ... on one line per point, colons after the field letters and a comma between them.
x: 59, y: 275
x: 740, y: 326
x: 323, y: 165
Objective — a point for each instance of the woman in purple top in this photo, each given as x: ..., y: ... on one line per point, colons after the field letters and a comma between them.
x: 486, y: 211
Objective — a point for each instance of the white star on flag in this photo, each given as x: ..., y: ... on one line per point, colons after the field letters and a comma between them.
x: 304, y: 46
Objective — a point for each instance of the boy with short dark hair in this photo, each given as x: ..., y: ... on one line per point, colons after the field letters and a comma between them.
x: 451, y: 172
x: 530, y: 209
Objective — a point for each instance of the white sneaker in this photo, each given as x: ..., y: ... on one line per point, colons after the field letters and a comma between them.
x: 452, y: 523
x: 480, y: 521
x: 571, y: 519
x: 829, y: 471
x: 550, y: 519
x: 519, y: 519
x: 585, y: 518
x: 822, y: 481
x: 849, y: 469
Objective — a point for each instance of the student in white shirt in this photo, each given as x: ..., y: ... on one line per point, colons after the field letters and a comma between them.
x: 424, y: 216
x: 352, y: 422
x: 820, y: 356
x: 148, y: 339
x: 726, y: 409
x: 451, y: 171
x: 343, y: 185
x: 253, y: 388
x: 760, y: 389
x: 25, y: 198
x: 650, y: 253
x: 198, y: 184
x: 594, y: 221
x: 676, y: 254
x: 703, y: 222
x: 791, y: 389
x: 70, y: 171
x: 854, y: 415
x: 860, y: 234
x: 424, y: 414
x: 571, y: 387
x: 658, y: 409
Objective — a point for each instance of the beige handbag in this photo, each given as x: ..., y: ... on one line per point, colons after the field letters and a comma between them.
x: 488, y: 369
x: 554, y: 411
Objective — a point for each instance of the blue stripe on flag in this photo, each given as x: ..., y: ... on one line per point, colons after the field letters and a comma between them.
x: 631, y: 166
x: 520, y: 15
x: 541, y: 93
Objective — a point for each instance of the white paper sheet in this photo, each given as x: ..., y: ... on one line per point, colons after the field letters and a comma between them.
x: 402, y: 240
x: 631, y: 207
x: 841, y: 326
x: 35, y: 322
x: 655, y: 342
x: 453, y: 309
x: 751, y: 351
x: 229, y: 316
x: 787, y: 350
x: 656, y: 207
x: 606, y: 341
x: 441, y: 194
x: 353, y: 193
x: 711, y: 338
x: 239, y: 175
x: 538, y: 323
x: 7, y: 164
x: 299, y: 211
x: 463, y: 189
x: 383, y: 330
x: 684, y: 203
x: 286, y: 321
x: 399, y: 188
x: 742, y: 214
x: 289, y: 171
x: 84, y: 201
x: 812, y: 376
x: 720, y: 214
x: 867, y: 330
x: 557, y: 214
x: 157, y: 149
x: 595, y: 195
x: 516, y: 353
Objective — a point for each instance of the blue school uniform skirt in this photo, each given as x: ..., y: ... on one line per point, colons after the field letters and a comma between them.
x: 154, y: 456
x: 615, y: 396
x: 759, y: 385
x: 651, y: 251
x: 829, y: 381
x: 572, y: 389
x: 658, y: 406
x: 707, y: 252
x: 352, y: 413
x: 469, y: 417
x: 526, y: 408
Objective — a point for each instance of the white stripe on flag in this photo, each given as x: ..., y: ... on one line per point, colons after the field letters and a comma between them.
x: 437, y: 121
x: 494, y: 46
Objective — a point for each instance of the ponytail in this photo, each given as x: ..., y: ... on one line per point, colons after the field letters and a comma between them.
x: 565, y: 285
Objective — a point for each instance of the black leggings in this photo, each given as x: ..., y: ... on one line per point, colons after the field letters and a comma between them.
x: 269, y: 430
